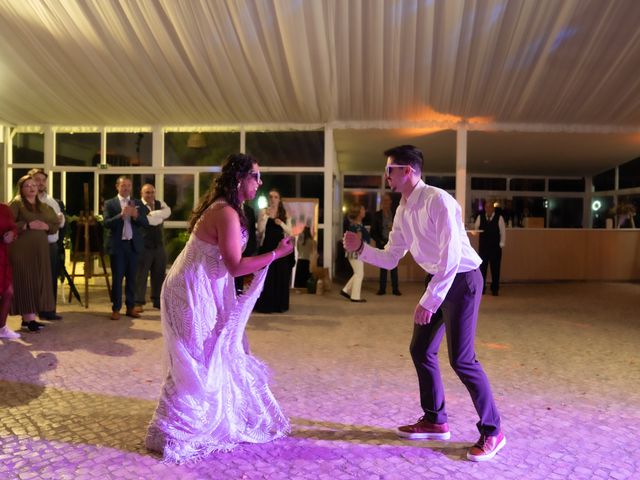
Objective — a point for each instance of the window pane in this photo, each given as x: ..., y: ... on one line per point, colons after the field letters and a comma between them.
x: 602, y: 209
x: 362, y: 181
x: 75, y: 198
x: 299, y: 149
x: 174, y: 240
x: 107, y: 185
x: 566, y: 184
x: 312, y: 186
x: 484, y: 183
x: 604, y: 181
x: 525, y: 208
x: 445, y: 183
x: 129, y: 149
x: 527, y: 184
x: 629, y: 174
x: 367, y: 199
x: 28, y: 148
x: 79, y: 149
x: 285, y: 184
x: 206, y: 179
x: 178, y: 194
x: 565, y: 212
x: 628, y: 211
x: 199, y: 149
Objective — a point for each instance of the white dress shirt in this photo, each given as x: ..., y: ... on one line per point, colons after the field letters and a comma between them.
x: 429, y: 225
x: 45, y: 198
x: 157, y: 217
x: 501, y: 227
x: 127, y: 229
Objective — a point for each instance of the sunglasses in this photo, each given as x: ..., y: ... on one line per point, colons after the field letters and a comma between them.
x: 255, y: 175
x: 387, y: 169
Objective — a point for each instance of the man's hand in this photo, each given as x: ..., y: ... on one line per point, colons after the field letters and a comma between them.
x: 421, y: 315
x: 351, y: 241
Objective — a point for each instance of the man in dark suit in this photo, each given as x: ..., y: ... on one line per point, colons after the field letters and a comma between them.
x: 380, y: 228
x: 123, y: 218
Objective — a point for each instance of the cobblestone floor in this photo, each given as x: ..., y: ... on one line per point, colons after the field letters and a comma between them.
x: 75, y: 398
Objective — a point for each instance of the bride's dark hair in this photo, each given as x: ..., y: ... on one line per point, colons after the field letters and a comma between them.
x: 235, y: 168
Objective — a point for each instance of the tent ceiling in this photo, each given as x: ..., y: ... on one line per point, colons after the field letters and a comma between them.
x: 563, y: 65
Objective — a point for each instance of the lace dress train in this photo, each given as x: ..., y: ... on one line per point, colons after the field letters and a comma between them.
x: 215, y: 394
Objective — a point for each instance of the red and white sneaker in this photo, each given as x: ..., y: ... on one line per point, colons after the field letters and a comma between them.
x: 486, y: 447
x: 423, y: 430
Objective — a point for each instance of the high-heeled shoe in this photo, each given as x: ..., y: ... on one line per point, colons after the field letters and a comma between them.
x: 32, y: 326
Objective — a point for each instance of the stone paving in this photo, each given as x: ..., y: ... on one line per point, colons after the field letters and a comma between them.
x: 75, y: 398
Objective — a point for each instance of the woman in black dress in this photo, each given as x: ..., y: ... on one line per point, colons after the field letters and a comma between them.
x: 273, y: 225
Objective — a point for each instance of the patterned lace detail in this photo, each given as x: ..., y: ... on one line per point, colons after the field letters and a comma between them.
x: 215, y: 395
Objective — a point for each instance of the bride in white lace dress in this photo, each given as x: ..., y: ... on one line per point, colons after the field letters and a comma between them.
x: 215, y: 394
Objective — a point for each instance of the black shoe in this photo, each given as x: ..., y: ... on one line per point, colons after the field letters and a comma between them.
x: 157, y: 305
x: 32, y: 326
x: 344, y: 294
x: 397, y: 293
x: 380, y: 292
x: 495, y: 294
x: 362, y: 300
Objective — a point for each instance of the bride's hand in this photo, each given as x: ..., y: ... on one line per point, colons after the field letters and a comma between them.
x: 285, y: 247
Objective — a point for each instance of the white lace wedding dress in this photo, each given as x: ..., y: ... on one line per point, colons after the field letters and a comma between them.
x: 215, y: 394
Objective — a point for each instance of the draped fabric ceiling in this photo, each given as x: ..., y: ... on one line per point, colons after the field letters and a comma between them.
x: 545, y: 86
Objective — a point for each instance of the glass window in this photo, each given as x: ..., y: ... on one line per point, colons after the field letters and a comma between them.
x: 362, y: 181
x: 17, y: 173
x: 604, y: 181
x: 107, y: 185
x: 566, y: 184
x: 129, y: 149
x: 367, y: 199
x: 602, y: 212
x: 174, y: 239
x: 312, y: 186
x: 527, y: 184
x: 205, y: 181
x: 178, y: 194
x: 526, y: 208
x: 628, y: 211
x: 199, y: 149
x: 78, y: 149
x: 285, y: 184
x: 28, y: 148
x: 75, y: 200
x: 487, y: 183
x: 629, y: 174
x: 565, y: 212
x: 446, y: 183
x: 281, y: 149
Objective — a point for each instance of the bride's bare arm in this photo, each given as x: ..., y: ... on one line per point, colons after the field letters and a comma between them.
x: 227, y: 225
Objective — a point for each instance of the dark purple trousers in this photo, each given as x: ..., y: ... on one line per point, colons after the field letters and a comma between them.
x: 457, y: 316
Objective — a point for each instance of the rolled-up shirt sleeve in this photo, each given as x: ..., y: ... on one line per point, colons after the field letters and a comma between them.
x: 394, y: 250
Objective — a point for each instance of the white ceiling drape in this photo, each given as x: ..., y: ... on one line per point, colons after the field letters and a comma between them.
x: 150, y: 62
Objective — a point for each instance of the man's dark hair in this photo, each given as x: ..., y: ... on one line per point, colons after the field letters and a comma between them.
x: 406, y: 155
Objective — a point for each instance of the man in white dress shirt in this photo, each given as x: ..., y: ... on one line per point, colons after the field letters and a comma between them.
x: 153, y: 259
x: 40, y: 177
x: 428, y: 223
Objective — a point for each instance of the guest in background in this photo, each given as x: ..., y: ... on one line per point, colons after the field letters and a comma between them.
x: 40, y: 177
x: 352, y: 290
x: 8, y: 233
x: 273, y: 226
x: 252, y: 243
x: 123, y: 219
x: 29, y: 254
x: 153, y: 258
x: 493, y: 236
x: 382, y: 223
x: 305, y: 245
